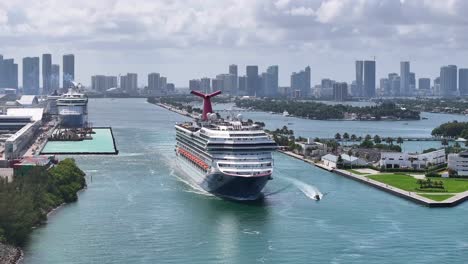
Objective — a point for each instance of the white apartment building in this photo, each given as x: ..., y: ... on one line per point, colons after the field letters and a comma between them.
x: 459, y: 163
x: 395, y: 160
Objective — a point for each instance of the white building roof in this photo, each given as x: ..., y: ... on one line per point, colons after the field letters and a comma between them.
x: 28, y: 100
x: 34, y: 113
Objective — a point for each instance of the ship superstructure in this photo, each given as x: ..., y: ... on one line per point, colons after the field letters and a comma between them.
x: 227, y: 157
x: 73, y: 108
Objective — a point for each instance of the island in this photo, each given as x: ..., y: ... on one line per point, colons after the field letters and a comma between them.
x: 321, y: 111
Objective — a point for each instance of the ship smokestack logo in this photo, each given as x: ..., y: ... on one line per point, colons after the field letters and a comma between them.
x: 206, y: 102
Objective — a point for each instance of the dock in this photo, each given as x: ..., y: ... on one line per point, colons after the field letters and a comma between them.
x: 411, y: 196
x: 101, y: 143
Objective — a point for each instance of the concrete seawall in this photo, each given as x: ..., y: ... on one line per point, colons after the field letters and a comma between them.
x: 411, y: 196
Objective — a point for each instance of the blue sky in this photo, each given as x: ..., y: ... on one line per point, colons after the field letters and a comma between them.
x: 185, y: 39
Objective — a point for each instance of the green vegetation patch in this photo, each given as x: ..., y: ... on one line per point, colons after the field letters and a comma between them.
x: 24, y: 203
x: 356, y: 172
x: 437, y: 197
x: 408, y: 183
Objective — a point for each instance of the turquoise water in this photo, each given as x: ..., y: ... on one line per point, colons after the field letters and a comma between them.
x: 137, y: 209
x: 101, y: 143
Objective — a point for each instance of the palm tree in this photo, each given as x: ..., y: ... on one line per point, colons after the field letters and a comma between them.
x: 399, y: 141
x: 345, y: 136
x: 445, y: 142
x: 389, y: 140
x: 338, y: 136
x: 353, y: 137
x: 377, y: 139
x: 368, y: 137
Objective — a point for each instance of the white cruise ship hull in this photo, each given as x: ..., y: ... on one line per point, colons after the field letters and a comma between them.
x: 222, y: 184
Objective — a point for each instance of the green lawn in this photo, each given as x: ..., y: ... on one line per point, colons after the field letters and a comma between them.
x: 437, y: 197
x: 356, y: 172
x: 409, y: 183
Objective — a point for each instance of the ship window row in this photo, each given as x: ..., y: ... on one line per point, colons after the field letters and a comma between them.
x: 192, y: 143
x: 250, y: 174
x: 247, y: 135
x: 193, y: 147
x: 244, y: 165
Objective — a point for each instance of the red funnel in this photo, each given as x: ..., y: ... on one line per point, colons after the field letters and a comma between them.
x: 206, y: 102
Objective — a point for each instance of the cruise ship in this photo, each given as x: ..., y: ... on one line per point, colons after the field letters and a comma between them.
x: 73, y: 108
x: 229, y: 158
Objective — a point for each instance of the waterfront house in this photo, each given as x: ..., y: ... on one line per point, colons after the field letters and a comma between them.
x: 396, y: 160
x: 331, y: 160
x: 458, y: 162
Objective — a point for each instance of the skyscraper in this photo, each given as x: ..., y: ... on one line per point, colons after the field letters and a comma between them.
x: 205, y: 85
x: 46, y: 73
x: 424, y: 84
x: 252, y: 80
x: 404, y: 78
x: 448, y: 80
x: 242, y: 82
x: 385, y: 87
x: 132, y: 83
x: 369, y: 78
x: 463, y: 81
x: 273, y: 86
x: 102, y: 83
x: 359, y: 78
x: 340, y: 91
x: 300, y: 82
x: 68, y: 70
x: 233, y: 71
x: 8, y: 73
x: 55, y: 77
x: 194, y: 85
x: 153, y: 83
x: 31, y: 75
x: 394, y: 83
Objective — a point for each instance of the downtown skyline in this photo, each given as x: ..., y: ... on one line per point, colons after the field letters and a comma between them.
x: 184, y: 40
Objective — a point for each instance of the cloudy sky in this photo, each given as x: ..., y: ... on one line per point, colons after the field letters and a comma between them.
x: 184, y: 39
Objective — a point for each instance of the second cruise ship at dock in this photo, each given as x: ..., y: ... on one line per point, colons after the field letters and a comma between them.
x: 229, y: 157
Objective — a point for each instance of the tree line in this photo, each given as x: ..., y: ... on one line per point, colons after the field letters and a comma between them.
x: 25, y: 202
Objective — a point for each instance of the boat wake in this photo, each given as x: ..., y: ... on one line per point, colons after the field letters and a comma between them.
x: 308, y: 190
x: 193, y: 187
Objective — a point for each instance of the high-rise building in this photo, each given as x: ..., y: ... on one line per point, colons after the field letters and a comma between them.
x: 217, y: 84
x: 463, y: 81
x: 46, y: 74
x: 369, y: 78
x: 404, y: 78
x: 242, y: 82
x: 252, y: 80
x: 163, y: 83
x: 8, y: 73
x: 129, y: 83
x: 340, y: 91
x: 412, y: 82
x: 229, y: 82
x: 300, y: 82
x: 385, y: 87
x: 68, y: 70
x: 31, y: 75
x: 448, y: 80
x: 205, y: 85
x: 394, y: 83
x: 424, y: 84
x: 359, y: 78
x: 102, y: 83
x: 132, y: 83
x: 153, y: 84
x: 233, y: 71
x: 55, y: 78
x: 194, y: 85
x: 273, y: 84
